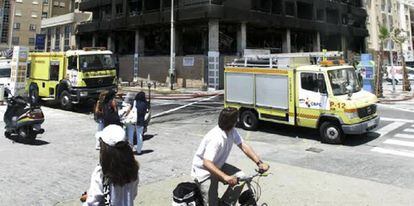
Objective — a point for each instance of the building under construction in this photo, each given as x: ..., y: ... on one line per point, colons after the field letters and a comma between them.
x: 210, y: 33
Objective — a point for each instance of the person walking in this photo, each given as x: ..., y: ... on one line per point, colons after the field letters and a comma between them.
x: 98, y: 114
x: 141, y: 106
x: 110, y: 110
x: 209, y: 162
x: 115, y: 180
x: 129, y: 116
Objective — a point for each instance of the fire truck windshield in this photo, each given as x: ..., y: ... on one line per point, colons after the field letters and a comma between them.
x: 344, y: 81
x: 96, y: 62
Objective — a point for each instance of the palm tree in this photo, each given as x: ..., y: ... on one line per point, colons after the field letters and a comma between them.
x: 383, y: 35
x: 399, y: 36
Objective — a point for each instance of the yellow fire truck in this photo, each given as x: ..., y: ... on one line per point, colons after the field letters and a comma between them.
x: 287, y: 89
x: 70, y: 77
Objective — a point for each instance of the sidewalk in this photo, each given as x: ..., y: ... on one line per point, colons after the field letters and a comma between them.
x: 166, y: 93
x: 289, y: 185
x: 398, y: 95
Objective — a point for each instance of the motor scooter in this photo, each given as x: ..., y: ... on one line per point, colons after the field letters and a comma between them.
x: 22, y: 118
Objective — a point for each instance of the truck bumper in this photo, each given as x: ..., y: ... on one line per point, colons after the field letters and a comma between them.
x: 362, y: 127
x: 79, y: 95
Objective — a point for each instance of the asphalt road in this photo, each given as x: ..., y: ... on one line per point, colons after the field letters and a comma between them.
x: 57, y: 167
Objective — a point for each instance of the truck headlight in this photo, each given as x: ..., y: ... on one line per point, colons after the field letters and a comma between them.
x: 351, y: 115
x: 83, y: 94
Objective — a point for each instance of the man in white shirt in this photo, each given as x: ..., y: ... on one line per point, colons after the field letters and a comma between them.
x: 209, y: 163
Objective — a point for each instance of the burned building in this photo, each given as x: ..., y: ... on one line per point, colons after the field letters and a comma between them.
x: 209, y: 33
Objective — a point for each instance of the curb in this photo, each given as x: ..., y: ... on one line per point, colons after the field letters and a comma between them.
x: 381, y: 100
x: 180, y: 96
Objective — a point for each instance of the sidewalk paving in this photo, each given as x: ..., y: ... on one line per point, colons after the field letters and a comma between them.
x: 398, y: 95
x: 166, y: 93
x: 290, y: 185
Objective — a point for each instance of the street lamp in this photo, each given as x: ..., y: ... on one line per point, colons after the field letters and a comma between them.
x: 172, y: 53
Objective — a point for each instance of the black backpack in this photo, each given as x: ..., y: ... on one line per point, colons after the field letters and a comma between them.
x: 187, y: 194
x: 110, y: 116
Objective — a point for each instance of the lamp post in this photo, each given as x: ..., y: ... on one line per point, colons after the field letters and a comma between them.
x: 172, y: 52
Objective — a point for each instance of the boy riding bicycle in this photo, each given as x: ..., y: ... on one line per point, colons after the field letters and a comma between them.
x: 209, y: 162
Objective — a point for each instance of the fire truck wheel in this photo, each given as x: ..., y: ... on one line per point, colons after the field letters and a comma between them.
x: 331, y: 133
x: 65, y: 101
x: 249, y: 120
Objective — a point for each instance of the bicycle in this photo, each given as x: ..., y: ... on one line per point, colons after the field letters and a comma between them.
x: 251, y: 196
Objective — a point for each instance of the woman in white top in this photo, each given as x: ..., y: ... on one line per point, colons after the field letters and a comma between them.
x: 115, y: 180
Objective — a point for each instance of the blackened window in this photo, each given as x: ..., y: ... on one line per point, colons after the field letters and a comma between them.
x: 332, y: 16
x: 277, y: 6
x: 151, y: 5
x: 262, y: 5
x: 290, y: 8
x: 320, y: 15
x: 135, y: 7
x: 119, y: 10
x: 305, y: 11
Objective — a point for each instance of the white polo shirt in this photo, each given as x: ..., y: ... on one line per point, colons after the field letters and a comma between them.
x: 215, y: 146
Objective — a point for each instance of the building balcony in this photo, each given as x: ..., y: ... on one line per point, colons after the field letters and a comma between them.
x: 90, y: 26
x: 88, y: 5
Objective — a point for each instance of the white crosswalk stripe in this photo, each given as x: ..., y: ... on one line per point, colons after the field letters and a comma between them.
x: 401, y: 143
x: 406, y: 136
x: 393, y: 152
x: 409, y: 130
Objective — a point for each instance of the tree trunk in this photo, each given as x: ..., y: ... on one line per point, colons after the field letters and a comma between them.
x: 406, y: 82
x: 379, y: 74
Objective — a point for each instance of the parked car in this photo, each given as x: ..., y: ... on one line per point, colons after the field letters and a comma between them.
x: 398, y: 74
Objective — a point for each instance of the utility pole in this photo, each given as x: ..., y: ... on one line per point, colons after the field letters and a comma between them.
x: 172, y: 52
x: 387, y: 9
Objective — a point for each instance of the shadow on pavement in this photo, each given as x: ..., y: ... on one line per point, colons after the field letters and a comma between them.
x: 36, y: 142
x: 356, y: 140
x: 312, y: 134
x: 84, y: 108
x: 148, y: 136
x: 147, y: 151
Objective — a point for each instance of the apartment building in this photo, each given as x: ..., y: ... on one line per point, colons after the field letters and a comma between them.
x: 5, y: 19
x: 213, y: 32
x: 392, y: 14
x: 52, y: 8
x: 60, y: 28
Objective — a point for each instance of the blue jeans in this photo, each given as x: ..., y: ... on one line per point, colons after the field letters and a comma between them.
x: 131, y: 128
x: 100, y: 128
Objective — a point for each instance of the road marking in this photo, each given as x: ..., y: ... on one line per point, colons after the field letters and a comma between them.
x: 409, y: 130
x: 184, y: 106
x: 387, y: 129
x: 393, y: 152
x: 396, y: 108
x: 399, y: 142
x: 397, y: 120
x: 406, y: 136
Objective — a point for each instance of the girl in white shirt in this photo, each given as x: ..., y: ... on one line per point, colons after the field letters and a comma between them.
x: 115, y: 180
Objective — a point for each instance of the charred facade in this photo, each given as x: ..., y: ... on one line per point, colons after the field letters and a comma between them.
x: 220, y: 29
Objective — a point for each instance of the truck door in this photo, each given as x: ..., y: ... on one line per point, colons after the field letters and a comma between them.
x: 312, y: 98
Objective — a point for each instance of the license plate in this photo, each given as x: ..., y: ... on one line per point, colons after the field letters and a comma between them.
x: 371, y: 123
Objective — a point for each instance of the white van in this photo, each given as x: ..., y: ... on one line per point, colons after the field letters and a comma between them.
x: 398, y: 74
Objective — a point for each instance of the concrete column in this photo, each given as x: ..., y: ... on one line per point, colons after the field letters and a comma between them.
x: 136, y: 56
x: 46, y: 39
x: 62, y: 39
x: 241, y: 39
x: 213, y: 35
x: 94, y: 40
x: 53, y: 39
x: 286, y: 47
x: 344, y: 45
x: 213, y: 54
x: 317, y: 42
x: 109, y: 42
